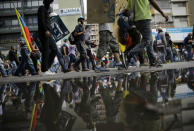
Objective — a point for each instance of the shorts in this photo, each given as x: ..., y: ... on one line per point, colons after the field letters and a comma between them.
x: 107, y: 41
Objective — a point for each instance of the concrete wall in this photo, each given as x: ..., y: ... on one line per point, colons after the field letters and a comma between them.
x: 71, y: 20
x: 179, y: 8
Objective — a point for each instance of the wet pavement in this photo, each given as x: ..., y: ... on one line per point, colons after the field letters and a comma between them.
x: 134, y: 101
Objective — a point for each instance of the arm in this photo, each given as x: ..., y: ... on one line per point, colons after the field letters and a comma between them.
x: 64, y: 50
x: 41, y: 19
x: 77, y: 33
x: 157, y: 7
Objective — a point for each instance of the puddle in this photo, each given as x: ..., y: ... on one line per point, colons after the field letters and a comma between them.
x: 139, y: 101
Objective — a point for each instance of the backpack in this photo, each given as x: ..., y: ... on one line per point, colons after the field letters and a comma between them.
x: 128, y: 33
x: 71, y: 38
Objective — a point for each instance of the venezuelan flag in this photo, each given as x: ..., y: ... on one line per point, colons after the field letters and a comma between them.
x: 25, y: 31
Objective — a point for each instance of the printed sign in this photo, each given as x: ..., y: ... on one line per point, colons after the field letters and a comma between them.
x: 70, y: 11
x: 58, y: 29
x: 100, y: 11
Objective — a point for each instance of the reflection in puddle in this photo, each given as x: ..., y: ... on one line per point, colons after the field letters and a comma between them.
x: 124, y: 102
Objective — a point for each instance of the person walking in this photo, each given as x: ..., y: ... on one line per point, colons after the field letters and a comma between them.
x: 49, y: 47
x: 161, y: 44
x: 89, y: 45
x: 80, y: 44
x: 107, y: 41
x: 142, y: 21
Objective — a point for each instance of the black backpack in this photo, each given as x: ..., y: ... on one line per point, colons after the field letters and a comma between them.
x: 71, y: 38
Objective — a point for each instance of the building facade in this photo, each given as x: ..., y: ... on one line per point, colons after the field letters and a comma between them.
x: 10, y: 29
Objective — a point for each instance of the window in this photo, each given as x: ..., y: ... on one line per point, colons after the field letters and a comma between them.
x: 35, y: 20
x: 15, y: 22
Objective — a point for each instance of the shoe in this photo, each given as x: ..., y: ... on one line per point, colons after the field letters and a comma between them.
x: 85, y: 69
x: 101, y: 69
x: 48, y: 73
x: 67, y: 70
x: 137, y: 64
x: 76, y: 68
x: 93, y: 68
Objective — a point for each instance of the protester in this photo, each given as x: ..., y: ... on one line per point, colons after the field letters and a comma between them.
x: 13, y: 58
x: 143, y: 24
x: 50, y: 49
x: 26, y: 62
x: 89, y: 45
x: 2, y: 69
x: 107, y: 40
x: 65, y: 52
x: 161, y: 44
x: 169, y: 47
x: 80, y: 44
x: 188, y: 46
x: 72, y: 55
x: 35, y: 56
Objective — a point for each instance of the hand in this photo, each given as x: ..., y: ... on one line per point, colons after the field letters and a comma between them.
x: 165, y: 16
x: 47, y: 34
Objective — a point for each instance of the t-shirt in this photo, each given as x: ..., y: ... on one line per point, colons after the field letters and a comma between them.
x: 142, y: 9
x: 72, y: 50
x: 79, y: 28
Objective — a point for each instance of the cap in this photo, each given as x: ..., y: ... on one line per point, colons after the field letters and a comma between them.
x: 80, y: 18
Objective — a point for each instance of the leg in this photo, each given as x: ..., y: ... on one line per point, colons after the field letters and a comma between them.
x: 144, y: 26
x: 53, y: 52
x: 103, y: 46
x: 45, y: 52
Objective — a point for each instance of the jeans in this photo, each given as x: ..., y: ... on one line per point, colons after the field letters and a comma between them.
x: 82, y: 51
x: 170, y: 54
x: 162, y: 50
x: 14, y: 67
x: 189, y: 51
x: 91, y: 59
x: 67, y: 61
x: 26, y: 62
x: 2, y: 70
x: 144, y: 27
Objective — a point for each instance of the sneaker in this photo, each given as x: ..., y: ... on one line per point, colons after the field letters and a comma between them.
x: 101, y: 69
x: 48, y: 73
x: 144, y: 64
x: 85, y: 69
x: 76, y: 68
x: 67, y: 70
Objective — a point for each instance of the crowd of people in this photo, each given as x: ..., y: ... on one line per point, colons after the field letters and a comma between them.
x: 49, y: 58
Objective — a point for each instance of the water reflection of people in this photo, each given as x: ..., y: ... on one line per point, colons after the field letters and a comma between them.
x: 18, y: 104
x: 190, y: 81
x: 135, y: 116
x: 51, y: 109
